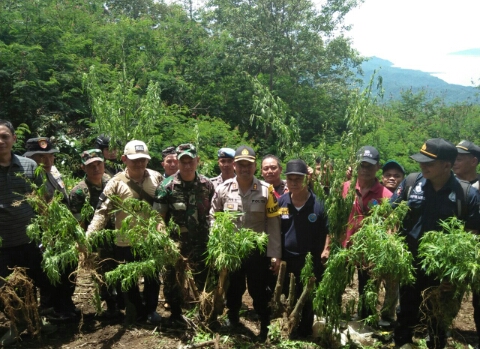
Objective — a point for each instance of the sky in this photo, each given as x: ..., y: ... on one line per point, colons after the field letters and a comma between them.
x: 421, y: 35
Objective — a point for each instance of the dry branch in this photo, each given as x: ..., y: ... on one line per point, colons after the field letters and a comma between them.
x: 294, y: 317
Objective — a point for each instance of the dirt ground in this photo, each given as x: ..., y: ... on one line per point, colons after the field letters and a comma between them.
x: 91, y: 332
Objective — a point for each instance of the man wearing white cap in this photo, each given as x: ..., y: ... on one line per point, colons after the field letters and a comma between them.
x: 137, y: 182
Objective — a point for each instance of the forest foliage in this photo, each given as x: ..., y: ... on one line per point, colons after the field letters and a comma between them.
x: 278, y: 75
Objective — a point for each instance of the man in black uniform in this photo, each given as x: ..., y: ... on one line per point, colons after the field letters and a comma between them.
x: 431, y: 199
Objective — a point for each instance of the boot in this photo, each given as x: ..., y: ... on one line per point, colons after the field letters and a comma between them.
x: 11, y: 336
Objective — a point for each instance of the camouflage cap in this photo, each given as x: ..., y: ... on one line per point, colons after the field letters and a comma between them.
x: 186, y: 149
x: 91, y: 155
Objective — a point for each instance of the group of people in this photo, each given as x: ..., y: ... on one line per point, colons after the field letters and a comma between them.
x: 288, y: 211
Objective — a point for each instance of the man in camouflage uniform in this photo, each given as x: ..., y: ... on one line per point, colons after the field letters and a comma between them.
x: 140, y: 183
x: 88, y: 190
x: 185, y: 198
x: 256, y: 200
x: 112, y: 165
x: 225, y: 162
x: 170, y: 161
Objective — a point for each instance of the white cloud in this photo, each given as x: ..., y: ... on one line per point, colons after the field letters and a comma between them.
x: 419, y: 34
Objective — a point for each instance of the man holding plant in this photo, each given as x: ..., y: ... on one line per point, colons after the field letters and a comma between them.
x: 136, y: 182
x: 185, y: 198
x: 304, y: 230
x: 256, y: 200
x: 433, y: 197
x: 368, y: 192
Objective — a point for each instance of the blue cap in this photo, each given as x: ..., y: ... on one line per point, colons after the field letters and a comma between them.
x: 226, y: 153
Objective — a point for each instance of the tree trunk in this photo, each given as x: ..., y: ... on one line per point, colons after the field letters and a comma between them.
x: 277, y: 306
x: 294, y: 317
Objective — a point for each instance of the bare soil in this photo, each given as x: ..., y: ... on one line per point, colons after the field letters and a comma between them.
x: 93, y: 332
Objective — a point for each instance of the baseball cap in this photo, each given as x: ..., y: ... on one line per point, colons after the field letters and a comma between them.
x: 368, y: 154
x: 392, y: 164
x: 244, y: 152
x: 91, y: 155
x: 39, y: 145
x: 136, y: 150
x: 169, y: 151
x: 186, y: 149
x: 436, y: 149
x: 467, y: 147
x: 226, y: 153
x: 297, y: 166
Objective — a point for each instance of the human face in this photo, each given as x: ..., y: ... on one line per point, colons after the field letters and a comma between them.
x: 296, y: 183
x: 226, y: 167
x: 435, y: 170
x: 136, y: 168
x: 109, y: 154
x: 367, y: 171
x: 46, y: 159
x: 94, y: 171
x: 170, y: 164
x: 245, y: 170
x: 271, y: 171
x: 391, y: 178
x: 187, y: 167
x: 465, y: 166
x: 7, y: 139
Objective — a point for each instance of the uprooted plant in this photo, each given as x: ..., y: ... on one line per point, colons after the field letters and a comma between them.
x: 375, y: 248
x: 452, y: 256
x: 227, y: 247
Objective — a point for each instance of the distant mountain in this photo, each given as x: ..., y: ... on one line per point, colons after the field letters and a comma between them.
x: 396, y: 80
x: 470, y: 52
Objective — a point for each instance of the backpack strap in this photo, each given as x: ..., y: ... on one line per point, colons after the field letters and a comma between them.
x: 462, y: 194
x: 136, y: 188
x: 409, y: 183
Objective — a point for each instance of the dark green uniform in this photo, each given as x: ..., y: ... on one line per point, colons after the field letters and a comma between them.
x: 188, y: 204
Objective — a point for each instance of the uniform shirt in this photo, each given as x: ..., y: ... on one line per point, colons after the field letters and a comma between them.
x: 187, y: 203
x: 260, y: 208
x: 15, y: 213
x: 112, y: 168
x: 216, y: 181
x: 86, y: 191
x: 303, y: 230
x: 55, y: 183
x: 361, y: 206
x: 428, y: 207
x: 117, y: 187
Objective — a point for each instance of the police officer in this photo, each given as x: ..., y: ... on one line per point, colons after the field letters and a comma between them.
x: 170, y: 161
x: 430, y: 201
x: 185, y: 198
x: 42, y: 152
x: 138, y: 182
x: 304, y: 230
x: 256, y: 200
x: 465, y: 168
x: 112, y: 165
x: 225, y: 162
x: 271, y: 170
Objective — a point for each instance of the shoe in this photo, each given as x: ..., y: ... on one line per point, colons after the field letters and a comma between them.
x: 176, y: 321
x: 11, y: 336
x: 109, y: 314
x: 385, y: 323
x: 48, y: 328
x: 154, y: 318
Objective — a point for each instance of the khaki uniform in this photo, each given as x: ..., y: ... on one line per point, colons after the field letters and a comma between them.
x: 121, y: 189
x: 216, y: 181
x: 259, y: 206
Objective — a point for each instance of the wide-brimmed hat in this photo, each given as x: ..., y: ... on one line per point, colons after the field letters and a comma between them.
x: 40, y: 145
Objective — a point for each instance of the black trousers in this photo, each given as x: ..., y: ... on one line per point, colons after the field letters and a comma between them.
x: 28, y: 256
x: 255, y: 271
x: 476, y: 311
x: 295, y: 266
x: 151, y: 287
